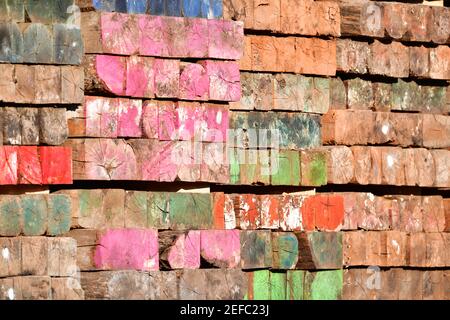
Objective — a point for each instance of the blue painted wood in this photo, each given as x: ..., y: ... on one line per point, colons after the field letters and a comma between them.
x: 11, y: 43
x: 105, y: 5
x: 191, y: 8
x: 173, y: 8
x: 157, y: 7
x: 121, y: 6
x: 211, y: 9
x: 137, y: 6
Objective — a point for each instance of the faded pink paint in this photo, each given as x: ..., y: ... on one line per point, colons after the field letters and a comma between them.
x: 188, y: 160
x: 185, y: 253
x: 120, y: 34
x: 216, y: 120
x: 111, y: 70
x: 222, y: 248
x: 109, y: 159
x: 214, y: 166
x: 140, y: 77
x: 226, y: 39
x: 128, y: 249
x: 192, y: 121
x: 224, y: 80
x: 101, y: 117
x: 175, y: 31
x: 189, y: 114
x: 197, y: 38
x: 194, y: 82
x: 167, y: 162
x: 151, y: 36
x: 167, y: 120
x: 8, y: 165
x: 150, y: 120
x: 149, y: 167
x: 130, y: 114
x: 167, y: 74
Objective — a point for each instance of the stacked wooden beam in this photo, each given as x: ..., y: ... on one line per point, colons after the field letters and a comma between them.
x: 169, y: 242
x: 40, y: 70
x: 203, y: 227
x: 383, y: 81
x: 383, y: 106
x: 39, y: 268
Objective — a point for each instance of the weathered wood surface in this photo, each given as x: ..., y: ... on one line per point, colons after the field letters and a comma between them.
x: 40, y: 288
x: 386, y: 166
x: 38, y: 256
x: 393, y: 59
x: 117, y: 208
x: 396, y: 283
x: 394, y: 248
x: 403, y: 129
x: 256, y: 249
x: 33, y: 126
x: 40, y: 84
x: 319, y: 250
x: 165, y: 285
x: 287, y: 17
x: 400, y: 21
x: 262, y: 91
x: 290, y: 54
x: 36, y: 43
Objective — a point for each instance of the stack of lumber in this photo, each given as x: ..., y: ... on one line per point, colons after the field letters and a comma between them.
x: 41, y: 75
x: 177, y: 245
x: 225, y: 149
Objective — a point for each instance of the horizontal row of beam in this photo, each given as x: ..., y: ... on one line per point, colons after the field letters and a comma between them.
x: 392, y: 59
x: 343, y: 127
x: 404, y: 22
x: 35, y: 165
x: 33, y: 126
x: 146, y: 77
x: 41, y: 44
x: 366, y: 165
x: 149, y: 250
x: 160, y: 36
x: 41, y: 84
x: 60, y: 11
x: 211, y: 9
